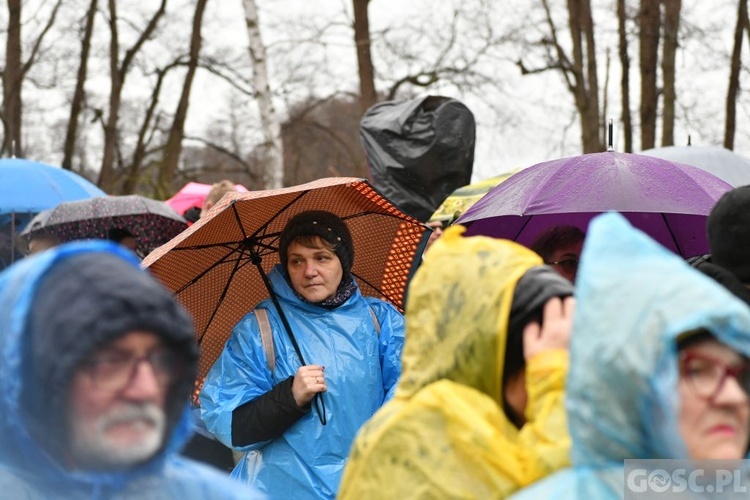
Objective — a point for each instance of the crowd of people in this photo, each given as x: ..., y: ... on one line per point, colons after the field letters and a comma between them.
x: 513, y: 372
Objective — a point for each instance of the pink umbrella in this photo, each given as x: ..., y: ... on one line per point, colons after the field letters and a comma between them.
x: 192, y: 195
x: 669, y: 201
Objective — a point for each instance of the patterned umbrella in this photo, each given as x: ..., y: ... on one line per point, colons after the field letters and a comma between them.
x: 152, y: 222
x: 216, y: 267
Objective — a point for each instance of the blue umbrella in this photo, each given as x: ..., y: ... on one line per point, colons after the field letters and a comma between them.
x: 30, y: 187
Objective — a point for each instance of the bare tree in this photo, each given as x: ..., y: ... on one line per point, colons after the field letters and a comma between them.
x: 118, y: 72
x: 367, y: 94
x: 671, y: 27
x: 730, y: 124
x: 274, y: 149
x: 650, y: 24
x: 627, y: 120
x: 14, y: 73
x: 173, y: 149
x: 78, y: 95
x: 146, y: 133
x: 578, y: 71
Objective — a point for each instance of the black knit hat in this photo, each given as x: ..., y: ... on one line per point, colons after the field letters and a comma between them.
x: 327, y: 226
x: 728, y: 229
x: 538, y: 285
x: 84, y: 302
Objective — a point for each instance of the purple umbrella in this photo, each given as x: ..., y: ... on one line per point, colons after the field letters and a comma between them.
x: 669, y: 201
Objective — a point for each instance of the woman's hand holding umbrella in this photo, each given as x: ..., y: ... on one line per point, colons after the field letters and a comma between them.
x: 308, y: 381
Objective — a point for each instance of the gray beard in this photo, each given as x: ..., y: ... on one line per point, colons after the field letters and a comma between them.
x: 92, y: 449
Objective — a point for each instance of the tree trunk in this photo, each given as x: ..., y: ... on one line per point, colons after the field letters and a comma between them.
x: 118, y: 72
x: 671, y: 27
x: 586, y: 87
x: 734, y: 75
x: 145, y: 134
x: 650, y: 22
x: 12, y: 82
x: 367, y: 94
x: 627, y: 120
x: 78, y: 94
x: 173, y: 148
x: 271, y: 124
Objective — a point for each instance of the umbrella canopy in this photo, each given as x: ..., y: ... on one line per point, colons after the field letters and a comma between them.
x: 462, y: 198
x: 152, y: 222
x: 721, y: 162
x: 669, y: 201
x: 30, y: 187
x: 217, y: 267
x: 193, y: 194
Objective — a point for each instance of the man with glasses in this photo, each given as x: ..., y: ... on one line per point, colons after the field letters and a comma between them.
x: 560, y: 247
x: 96, y: 364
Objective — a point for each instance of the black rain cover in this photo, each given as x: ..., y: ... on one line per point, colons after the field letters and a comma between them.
x: 419, y: 151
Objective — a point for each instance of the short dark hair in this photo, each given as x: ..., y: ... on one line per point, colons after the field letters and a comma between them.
x: 325, y: 225
x: 555, y: 237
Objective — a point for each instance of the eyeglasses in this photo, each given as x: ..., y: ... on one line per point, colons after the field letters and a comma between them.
x: 114, y: 370
x: 568, y: 265
x: 706, y: 375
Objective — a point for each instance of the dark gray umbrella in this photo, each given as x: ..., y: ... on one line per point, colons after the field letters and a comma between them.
x: 152, y: 222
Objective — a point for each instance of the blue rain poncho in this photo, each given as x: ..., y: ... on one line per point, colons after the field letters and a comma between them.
x: 361, y: 370
x: 634, y: 299
x: 27, y: 470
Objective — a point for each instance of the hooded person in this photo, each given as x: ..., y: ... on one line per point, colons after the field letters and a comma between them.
x: 294, y: 407
x: 639, y: 387
x: 97, y: 361
x: 478, y: 412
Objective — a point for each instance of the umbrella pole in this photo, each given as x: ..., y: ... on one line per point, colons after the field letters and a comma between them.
x: 318, y: 400
x: 12, y: 237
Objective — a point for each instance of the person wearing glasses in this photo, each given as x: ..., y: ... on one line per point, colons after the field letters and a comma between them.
x: 659, y: 365
x: 560, y: 247
x: 97, y: 361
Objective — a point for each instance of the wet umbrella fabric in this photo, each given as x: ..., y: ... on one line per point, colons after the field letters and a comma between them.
x: 193, y: 194
x: 721, y: 162
x: 668, y: 201
x: 217, y: 268
x: 152, y: 222
x: 30, y: 187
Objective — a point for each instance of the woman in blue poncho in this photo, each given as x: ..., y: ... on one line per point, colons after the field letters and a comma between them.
x: 296, y: 420
x: 659, y: 365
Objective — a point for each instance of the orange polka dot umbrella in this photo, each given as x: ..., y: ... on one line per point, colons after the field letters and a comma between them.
x: 214, y: 267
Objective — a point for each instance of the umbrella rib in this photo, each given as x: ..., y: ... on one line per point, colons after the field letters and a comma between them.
x: 221, y: 299
x: 210, y: 268
x: 528, y: 219
x: 262, y: 229
x: 674, y: 239
x: 360, y: 278
x: 225, y: 244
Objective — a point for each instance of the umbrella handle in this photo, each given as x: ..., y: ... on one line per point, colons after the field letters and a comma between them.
x: 318, y: 399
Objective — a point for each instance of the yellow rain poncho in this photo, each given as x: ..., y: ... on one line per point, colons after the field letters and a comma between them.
x: 445, y: 435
